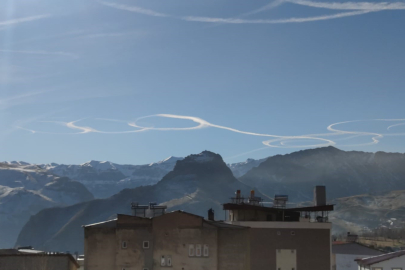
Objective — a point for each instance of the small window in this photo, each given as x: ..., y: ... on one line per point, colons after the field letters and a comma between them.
x: 292, y: 233
x: 292, y: 251
x: 169, y: 260
x: 191, y: 250
x: 198, y: 250
x: 145, y: 244
x: 206, y: 251
x: 162, y: 261
x: 124, y: 244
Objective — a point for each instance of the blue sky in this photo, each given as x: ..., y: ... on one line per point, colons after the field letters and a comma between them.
x: 257, y: 78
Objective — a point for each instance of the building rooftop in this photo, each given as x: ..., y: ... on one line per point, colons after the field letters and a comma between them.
x: 70, y: 257
x: 354, y: 248
x: 380, y: 258
x: 246, y: 206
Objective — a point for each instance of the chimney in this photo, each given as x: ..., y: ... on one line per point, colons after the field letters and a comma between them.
x: 320, y: 195
x: 252, y: 193
x: 238, y: 194
x: 211, y: 215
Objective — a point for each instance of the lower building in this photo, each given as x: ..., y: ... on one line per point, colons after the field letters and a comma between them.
x: 389, y: 261
x: 344, y: 254
x: 27, y: 261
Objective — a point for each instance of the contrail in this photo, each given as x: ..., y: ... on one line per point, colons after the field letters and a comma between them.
x: 134, y: 9
x: 41, y: 53
x: 23, y: 20
x: 277, y: 141
x: 278, y: 21
x: 370, y: 6
x: 153, y: 13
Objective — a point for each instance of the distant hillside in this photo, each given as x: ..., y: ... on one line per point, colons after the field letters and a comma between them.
x: 196, y: 184
x: 343, y: 173
x: 25, y: 190
x: 364, y: 212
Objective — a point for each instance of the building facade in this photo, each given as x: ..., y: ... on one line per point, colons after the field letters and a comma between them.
x: 253, y: 237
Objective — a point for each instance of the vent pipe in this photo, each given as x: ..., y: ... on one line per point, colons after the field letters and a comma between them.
x: 211, y: 215
x: 320, y: 195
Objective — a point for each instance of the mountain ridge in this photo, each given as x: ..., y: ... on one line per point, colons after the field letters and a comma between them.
x: 197, y: 183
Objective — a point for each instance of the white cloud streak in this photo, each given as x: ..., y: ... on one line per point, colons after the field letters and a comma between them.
x: 24, y: 20
x: 277, y: 21
x: 134, y: 9
x: 370, y: 6
x: 359, y: 8
x: 65, y: 54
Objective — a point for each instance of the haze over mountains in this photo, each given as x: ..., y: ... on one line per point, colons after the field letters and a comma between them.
x: 199, y: 182
x: 343, y: 173
x: 26, y: 189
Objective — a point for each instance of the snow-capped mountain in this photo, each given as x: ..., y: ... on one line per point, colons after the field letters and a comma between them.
x: 240, y: 168
x: 25, y: 189
x: 104, y: 178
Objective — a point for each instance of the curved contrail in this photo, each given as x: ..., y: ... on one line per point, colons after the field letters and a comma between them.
x: 278, y: 141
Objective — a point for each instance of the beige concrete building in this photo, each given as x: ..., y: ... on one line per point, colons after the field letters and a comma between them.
x: 253, y: 237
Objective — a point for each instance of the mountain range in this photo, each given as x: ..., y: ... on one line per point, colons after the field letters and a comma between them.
x: 344, y: 173
x: 27, y: 189
x: 104, y: 179
x: 197, y: 183
x: 354, y: 180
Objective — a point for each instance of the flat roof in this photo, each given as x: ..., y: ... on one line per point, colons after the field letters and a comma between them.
x: 104, y: 224
x: 354, y: 248
x: 380, y: 258
x: 70, y: 257
x: 245, y: 206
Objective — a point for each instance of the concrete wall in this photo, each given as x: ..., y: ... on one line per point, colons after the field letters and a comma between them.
x: 100, y: 246
x: 312, y: 247
x: 234, y: 249
x: 173, y: 233
x: 398, y: 262
x: 346, y: 261
x: 36, y: 262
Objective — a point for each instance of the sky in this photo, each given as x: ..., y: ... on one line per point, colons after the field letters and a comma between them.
x: 136, y: 81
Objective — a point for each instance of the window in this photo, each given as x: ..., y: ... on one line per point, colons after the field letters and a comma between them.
x: 198, y: 250
x: 145, y: 244
x: 191, y: 250
x: 206, y: 251
x: 145, y: 269
x: 169, y: 260
x: 292, y: 233
x: 377, y: 268
x: 396, y: 268
x: 124, y: 244
x: 162, y: 261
